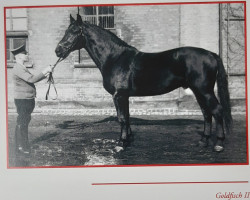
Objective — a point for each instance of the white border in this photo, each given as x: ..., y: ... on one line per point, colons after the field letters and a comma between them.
x: 75, y: 183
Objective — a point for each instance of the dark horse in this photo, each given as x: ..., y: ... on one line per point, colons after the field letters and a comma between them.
x: 128, y: 72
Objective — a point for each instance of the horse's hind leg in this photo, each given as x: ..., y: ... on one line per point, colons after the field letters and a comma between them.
x: 207, y: 121
x: 213, y: 106
x: 217, y: 113
x: 122, y: 107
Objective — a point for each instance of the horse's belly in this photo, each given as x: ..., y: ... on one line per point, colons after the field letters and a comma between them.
x: 155, y: 86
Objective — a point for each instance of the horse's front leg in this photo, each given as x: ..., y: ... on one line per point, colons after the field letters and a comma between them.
x: 122, y: 107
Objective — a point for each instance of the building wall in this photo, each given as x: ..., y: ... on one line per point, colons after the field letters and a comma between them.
x: 148, y: 28
x: 200, y: 26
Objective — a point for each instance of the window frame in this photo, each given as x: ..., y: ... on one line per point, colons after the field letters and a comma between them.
x: 12, y: 34
x: 88, y: 63
x: 95, y: 17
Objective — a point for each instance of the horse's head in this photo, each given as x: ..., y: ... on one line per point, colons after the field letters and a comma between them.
x: 73, y: 38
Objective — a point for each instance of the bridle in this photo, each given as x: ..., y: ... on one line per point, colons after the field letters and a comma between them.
x: 51, y: 79
x: 73, y: 44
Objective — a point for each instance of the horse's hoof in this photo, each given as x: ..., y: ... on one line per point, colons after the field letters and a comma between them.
x: 218, y: 148
x: 122, y: 144
x: 119, y: 149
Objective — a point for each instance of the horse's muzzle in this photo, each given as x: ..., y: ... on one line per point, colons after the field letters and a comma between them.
x: 59, y: 51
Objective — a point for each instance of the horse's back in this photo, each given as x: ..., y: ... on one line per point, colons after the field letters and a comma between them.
x: 174, y: 60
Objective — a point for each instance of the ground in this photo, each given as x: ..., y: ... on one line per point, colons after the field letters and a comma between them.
x: 58, y: 140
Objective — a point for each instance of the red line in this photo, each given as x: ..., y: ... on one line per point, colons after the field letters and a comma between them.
x: 171, y: 183
x: 245, y: 16
x: 6, y: 88
x: 131, y: 4
x: 127, y: 4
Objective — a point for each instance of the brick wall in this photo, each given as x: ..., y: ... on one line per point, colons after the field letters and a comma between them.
x: 200, y: 26
x: 149, y: 28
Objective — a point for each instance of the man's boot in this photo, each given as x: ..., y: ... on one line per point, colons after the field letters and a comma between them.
x: 21, y: 140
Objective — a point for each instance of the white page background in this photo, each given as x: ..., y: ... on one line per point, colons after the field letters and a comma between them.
x: 76, y: 183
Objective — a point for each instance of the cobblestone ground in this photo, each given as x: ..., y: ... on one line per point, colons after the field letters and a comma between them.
x: 58, y: 140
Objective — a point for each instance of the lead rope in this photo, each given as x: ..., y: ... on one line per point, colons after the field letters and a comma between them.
x: 51, y: 81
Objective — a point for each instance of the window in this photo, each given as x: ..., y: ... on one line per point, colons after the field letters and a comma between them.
x: 17, y: 30
x: 100, y: 15
x: 13, y: 43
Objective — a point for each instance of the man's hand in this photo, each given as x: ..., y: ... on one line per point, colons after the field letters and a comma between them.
x: 47, y: 70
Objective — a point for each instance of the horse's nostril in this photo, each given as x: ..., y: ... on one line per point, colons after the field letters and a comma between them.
x: 58, y: 52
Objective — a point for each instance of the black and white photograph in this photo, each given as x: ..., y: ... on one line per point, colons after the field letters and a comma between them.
x: 97, y: 85
x: 115, y: 99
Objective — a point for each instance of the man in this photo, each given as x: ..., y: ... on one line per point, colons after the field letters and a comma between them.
x: 24, y: 97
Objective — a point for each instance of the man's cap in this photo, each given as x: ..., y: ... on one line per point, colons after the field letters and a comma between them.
x: 18, y: 50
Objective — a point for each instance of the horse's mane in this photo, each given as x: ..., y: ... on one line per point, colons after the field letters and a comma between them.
x: 108, y: 35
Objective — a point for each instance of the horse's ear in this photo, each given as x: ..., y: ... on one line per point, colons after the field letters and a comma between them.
x: 72, y: 20
x: 79, y: 19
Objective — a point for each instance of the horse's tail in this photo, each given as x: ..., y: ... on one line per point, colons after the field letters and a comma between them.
x: 223, y: 93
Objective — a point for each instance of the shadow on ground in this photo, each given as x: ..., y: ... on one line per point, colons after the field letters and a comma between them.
x: 91, y: 140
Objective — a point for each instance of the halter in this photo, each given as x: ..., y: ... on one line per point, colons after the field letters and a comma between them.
x: 77, y: 35
x: 51, y: 79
